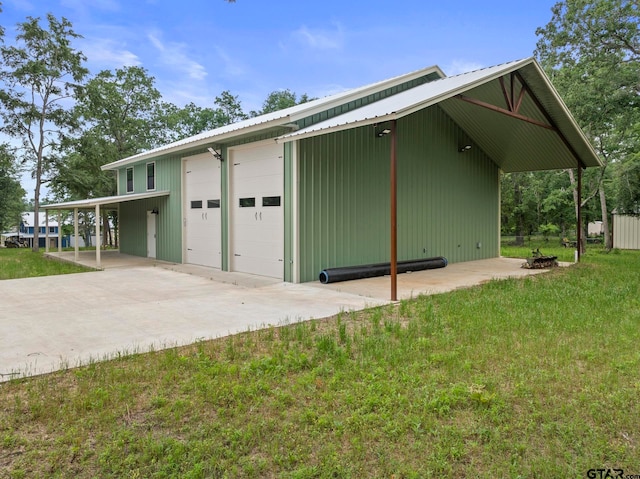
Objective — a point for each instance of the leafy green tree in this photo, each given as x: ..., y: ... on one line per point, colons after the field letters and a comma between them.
x: 591, y: 51
x: 191, y: 120
x: 119, y: 114
x: 11, y: 192
x: 229, y: 108
x: 41, y: 73
x: 279, y: 100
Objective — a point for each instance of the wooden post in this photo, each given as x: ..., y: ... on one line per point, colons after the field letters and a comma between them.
x: 394, y: 214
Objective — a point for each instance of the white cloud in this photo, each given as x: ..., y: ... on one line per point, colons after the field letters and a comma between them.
x: 83, y: 5
x: 320, y: 39
x: 108, y: 54
x: 457, y: 67
x: 173, y: 54
x: 231, y: 66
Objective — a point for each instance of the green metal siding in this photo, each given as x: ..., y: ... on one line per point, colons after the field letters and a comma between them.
x: 133, y: 215
x: 447, y: 201
x: 224, y: 205
x: 339, y: 110
x: 289, y: 233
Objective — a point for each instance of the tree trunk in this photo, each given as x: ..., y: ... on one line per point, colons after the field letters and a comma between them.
x: 605, y: 218
x: 105, y: 229
x: 517, y: 200
x: 576, y: 200
x: 35, y: 247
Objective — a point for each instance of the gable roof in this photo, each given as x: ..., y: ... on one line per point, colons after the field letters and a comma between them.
x: 277, y: 119
x: 515, y: 144
x: 29, y: 217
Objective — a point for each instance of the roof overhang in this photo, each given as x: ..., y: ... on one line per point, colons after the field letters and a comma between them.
x: 104, y: 201
x: 275, y: 123
x: 511, y: 112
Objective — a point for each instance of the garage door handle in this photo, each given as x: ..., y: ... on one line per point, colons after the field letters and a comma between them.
x: 237, y: 254
x: 256, y: 216
x: 261, y: 216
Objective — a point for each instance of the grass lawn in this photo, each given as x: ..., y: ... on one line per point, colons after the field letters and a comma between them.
x: 23, y: 263
x: 533, y: 377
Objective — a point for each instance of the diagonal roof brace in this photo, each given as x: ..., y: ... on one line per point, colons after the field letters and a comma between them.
x: 504, y: 111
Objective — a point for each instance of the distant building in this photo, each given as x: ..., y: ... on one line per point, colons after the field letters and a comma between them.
x: 595, y: 228
x: 26, y: 230
x: 626, y: 232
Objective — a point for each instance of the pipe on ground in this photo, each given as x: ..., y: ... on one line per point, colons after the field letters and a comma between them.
x: 346, y: 273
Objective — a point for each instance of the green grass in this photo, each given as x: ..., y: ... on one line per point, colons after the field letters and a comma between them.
x: 548, y: 246
x: 23, y: 263
x: 534, y: 377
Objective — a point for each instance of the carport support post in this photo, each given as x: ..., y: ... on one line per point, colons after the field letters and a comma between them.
x: 46, y: 231
x: 59, y: 231
x: 98, y: 236
x: 76, y: 247
x: 394, y: 214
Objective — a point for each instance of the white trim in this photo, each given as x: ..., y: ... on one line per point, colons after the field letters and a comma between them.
x: 146, y: 175
x: 295, y: 189
x: 183, y: 205
x: 133, y: 180
x: 277, y: 119
x: 106, y: 200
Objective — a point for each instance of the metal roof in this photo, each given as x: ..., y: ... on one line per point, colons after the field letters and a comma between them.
x: 277, y: 119
x: 514, y: 144
x: 105, y: 200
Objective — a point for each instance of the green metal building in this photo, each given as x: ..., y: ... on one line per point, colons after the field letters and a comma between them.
x: 326, y: 183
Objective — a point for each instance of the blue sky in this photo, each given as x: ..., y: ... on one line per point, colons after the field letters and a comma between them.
x: 196, y: 49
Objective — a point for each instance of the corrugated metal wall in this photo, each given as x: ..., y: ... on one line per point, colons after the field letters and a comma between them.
x: 626, y: 232
x: 447, y: 201
x: 133, y: 215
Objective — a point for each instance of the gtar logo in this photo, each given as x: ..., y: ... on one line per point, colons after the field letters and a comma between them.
x: 605, y: 473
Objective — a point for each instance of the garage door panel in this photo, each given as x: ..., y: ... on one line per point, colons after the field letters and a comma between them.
x: 203, y: 242
x: 257, y: 232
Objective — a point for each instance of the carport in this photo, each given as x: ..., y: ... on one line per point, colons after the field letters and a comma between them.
x: 94, y: 204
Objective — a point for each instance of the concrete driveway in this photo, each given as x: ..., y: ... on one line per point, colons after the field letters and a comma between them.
x: 54, y: 322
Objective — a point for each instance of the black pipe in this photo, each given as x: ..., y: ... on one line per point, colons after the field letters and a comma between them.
x: 346, y: 273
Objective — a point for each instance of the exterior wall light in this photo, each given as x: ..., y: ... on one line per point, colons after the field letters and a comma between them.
x: 464, y: 148
x: 154, y: 211
x: 386, y: 131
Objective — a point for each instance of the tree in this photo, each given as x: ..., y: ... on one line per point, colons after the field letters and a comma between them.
x: 591, y: 51
x: 189, y: 121
x: 279, y: 100
x: 11, y: 193
x: 229, y: 108
x: 41, y: 73
x: 119, y: 114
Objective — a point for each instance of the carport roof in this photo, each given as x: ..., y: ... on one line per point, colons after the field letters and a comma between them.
x: 510, y: 111
x: 105, y: 200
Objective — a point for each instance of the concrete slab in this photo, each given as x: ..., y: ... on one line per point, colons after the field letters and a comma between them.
x: 54, y: 322
x: 135, y: 304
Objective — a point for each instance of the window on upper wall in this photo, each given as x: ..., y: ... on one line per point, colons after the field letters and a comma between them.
x: 52, y: 229
x: 151, y: 176
x: 129, y: 180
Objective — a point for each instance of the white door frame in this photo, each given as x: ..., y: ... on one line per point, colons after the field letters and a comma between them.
x: 151, y: 234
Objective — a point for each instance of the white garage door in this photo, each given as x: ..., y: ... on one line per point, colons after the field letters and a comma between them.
x: 257, y: 214
x: 202, y: 219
